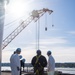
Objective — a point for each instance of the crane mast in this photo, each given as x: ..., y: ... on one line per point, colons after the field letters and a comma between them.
x: 35, y: 15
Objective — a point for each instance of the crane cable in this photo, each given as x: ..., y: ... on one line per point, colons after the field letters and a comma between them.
x: 37, y: 34
x: 45, y: 22
x: 12, y: 23
x: 52, y: 21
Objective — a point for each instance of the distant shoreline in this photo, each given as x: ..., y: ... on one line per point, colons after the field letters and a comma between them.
x: 63, y: 65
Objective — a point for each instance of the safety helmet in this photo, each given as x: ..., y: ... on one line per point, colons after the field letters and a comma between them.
x: 49, y: 53
x: 38, y: 52
x: 20, y: 56
x: 18, y: 49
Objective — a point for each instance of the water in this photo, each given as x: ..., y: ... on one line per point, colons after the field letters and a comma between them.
x: 63, y: 70
x: 66, y: 70
x: 5, y: 68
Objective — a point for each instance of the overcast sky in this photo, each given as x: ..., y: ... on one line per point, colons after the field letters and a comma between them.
x: 60, y: 38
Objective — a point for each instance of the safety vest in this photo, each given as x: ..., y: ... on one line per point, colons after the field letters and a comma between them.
x: 37, y: 58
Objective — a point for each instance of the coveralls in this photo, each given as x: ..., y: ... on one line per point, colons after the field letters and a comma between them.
x: 15, y: 64
x: 51, y: 65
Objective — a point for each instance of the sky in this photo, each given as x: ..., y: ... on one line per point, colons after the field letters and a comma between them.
x: 60, y: 38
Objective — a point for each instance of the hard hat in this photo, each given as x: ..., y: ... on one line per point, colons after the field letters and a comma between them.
x: 38, y: 52
x: 20, y: 56
x: 18, y: 49
x: 49, y: 53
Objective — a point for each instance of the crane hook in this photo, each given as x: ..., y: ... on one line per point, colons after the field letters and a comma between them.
x: 45, y: 28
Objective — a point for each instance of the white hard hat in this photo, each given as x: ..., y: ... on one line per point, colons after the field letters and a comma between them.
x: 49, y: 53
x: 18, y: 49
x: 20, y: 56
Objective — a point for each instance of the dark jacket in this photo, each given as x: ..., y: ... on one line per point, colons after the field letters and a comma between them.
x: 39, y: 62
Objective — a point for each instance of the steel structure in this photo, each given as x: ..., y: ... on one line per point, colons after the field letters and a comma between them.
x: 2, y: 17
x: 35, y: 15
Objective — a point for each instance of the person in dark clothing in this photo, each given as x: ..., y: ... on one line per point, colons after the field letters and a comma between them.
x: 22, y: 65
x: 39, y: 62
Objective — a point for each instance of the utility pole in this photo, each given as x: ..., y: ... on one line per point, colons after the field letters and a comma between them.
x: 2, y: 15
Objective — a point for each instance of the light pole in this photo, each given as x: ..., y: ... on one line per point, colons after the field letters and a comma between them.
x: 2, y: 13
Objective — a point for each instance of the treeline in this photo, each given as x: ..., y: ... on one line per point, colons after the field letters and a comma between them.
x: 70, y: 65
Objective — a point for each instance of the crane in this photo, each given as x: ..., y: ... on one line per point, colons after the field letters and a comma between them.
x: 35, y: 15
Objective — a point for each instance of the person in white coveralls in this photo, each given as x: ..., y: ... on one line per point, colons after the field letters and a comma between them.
x: 50, y: 64
x: 15, y: 62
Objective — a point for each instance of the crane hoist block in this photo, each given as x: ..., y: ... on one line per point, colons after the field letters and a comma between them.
x: 35, y: 14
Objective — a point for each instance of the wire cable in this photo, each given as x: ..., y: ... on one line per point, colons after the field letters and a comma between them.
x: 45, y: 22
x: 13, y: 22
x: 38, y: 33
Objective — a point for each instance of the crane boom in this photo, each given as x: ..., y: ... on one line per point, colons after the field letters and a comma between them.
x: 35, y: 15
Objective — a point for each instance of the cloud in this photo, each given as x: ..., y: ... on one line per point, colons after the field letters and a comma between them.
x: 43, y: 43
x: 72, y: 32
x: 52, y: 41
x: 61, y: 54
